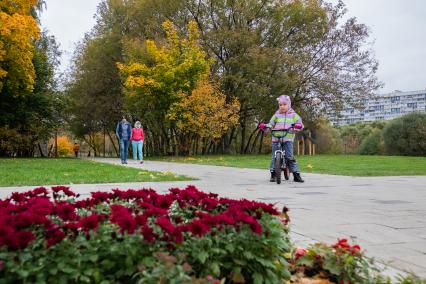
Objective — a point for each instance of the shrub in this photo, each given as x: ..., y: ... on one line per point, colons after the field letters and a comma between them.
x: 406, y: 135
x: 353, y: 135
x: 13, y: 143
x: 342, y: 263
x: 139, y: 236
x: 327, y: 139
x: 372, y: 144
x: 65, y: 147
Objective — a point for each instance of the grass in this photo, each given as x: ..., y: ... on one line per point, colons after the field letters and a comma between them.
x: 348, y: 165
x: 37, y: 171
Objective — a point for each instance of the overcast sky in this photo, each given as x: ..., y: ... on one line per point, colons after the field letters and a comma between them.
x: 398, y: 28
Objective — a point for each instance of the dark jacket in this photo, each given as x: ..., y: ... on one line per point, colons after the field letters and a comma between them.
x: 119, y: 130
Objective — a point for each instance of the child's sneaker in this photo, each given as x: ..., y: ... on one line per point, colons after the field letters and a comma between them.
x: 273, y: 177
x: 297, y: 177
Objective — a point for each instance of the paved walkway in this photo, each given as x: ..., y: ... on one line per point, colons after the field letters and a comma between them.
x: 385, y: 215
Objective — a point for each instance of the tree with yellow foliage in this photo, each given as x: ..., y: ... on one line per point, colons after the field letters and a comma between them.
x: 18, y: 30
x: 172, y: 85
x: 65, y: 147
x: 203, y: 114
x: 170, y: 69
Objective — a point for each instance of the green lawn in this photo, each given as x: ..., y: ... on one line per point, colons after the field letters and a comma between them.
x: 17, y: 172
x: 350, y: 165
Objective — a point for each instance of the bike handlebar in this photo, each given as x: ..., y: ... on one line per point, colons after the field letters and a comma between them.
x: 286, y: 130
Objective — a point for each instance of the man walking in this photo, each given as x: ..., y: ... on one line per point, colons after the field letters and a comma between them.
x: 124, y: 134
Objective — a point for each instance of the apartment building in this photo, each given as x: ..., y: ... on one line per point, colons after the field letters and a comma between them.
x: 383, y: 107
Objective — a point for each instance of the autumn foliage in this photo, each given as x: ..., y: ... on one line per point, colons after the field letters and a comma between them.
x: 18, y: 30
x: 205, y: 112
x: 170, y: 69
x: 173, y: 82
x: 65, y: 146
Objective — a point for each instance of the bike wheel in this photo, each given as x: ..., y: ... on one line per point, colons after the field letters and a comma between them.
x: 278, y: 160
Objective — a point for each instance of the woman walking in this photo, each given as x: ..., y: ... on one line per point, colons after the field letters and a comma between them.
x: 137, y: 142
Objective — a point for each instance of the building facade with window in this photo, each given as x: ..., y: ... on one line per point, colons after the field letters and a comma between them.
x: 383, y: 107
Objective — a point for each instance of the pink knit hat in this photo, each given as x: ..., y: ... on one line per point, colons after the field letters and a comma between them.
x: 284, y: 100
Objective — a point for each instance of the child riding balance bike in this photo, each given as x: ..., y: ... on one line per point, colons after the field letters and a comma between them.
x: 283, y: 124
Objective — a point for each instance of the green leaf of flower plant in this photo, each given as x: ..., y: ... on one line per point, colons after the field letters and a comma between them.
x: 202, y: 256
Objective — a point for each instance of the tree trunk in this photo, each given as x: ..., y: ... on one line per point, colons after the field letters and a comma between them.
x: 249, y: 140
x: 243, y: 137
x: 227, y: 143
x: 197, y: 141
x: 104, y: 141
x: 255, y: 141
x: 49, y: 153
x: 210, y: 147
x: 204, y: 146
x: 56, y: 144
x: 261, y: 142
x: 113, y: 144
x: 91, y: 142
x: 41, y: 150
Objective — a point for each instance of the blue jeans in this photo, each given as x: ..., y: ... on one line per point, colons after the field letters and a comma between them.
x: 288, y: 148
x: 137, y: 150
x: 124, y: 148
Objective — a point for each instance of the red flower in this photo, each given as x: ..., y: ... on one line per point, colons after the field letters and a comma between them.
x: 28, y: 218
x: 342, y: 243
x: 55, y: 237
x: 126, y: 223
x: 256, y: 227
x: 101, y: 196
x: 6, y: 233
x: 145, y: 205
x: 65, y: 189
x: 39, y: 191
x: 163, y: 202
x: 18, y: 197
x: 90, y: 222
x: 208, y: 219
x: 284, y: 221
x: 86, y: 203
x: 209, y: 203
x: 178, y: 236
x: 141, y: 219
x: 198, y: 228
x: 23, y: 238
x: 122, y: 216
x: 148, y: 233
x: 66, y: 211
x: 71, y: 226
x: 40, y: 206
x: 299, y: 252
x: 155, y: 211
x: 118, y: 210
x: 226, y: 219
x: 165, y: 224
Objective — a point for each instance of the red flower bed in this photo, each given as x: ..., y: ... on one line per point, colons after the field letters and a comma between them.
x: 23, y: 211
x: 176, y: 222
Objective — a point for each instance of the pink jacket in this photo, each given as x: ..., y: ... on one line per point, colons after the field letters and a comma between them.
x: 137, y: 134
